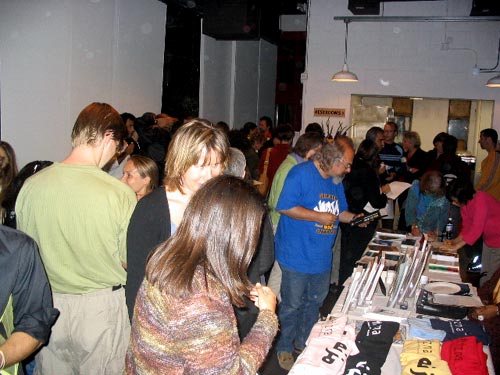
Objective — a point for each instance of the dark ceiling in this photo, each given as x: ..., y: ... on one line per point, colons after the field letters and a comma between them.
x: 282, y: 6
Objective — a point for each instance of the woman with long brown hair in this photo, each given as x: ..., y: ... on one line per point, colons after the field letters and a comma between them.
x: 8, y: 170
x: 184, y: 320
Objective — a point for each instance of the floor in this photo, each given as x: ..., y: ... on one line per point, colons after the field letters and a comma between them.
x: 271, y: 366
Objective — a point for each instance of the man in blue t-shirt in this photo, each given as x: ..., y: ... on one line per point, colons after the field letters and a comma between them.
x: 311, y: 204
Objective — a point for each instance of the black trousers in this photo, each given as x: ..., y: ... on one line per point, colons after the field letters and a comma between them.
x: 353, y: 243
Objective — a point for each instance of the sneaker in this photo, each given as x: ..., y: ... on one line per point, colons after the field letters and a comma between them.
x: 297, y: 350
x: 285, y: 360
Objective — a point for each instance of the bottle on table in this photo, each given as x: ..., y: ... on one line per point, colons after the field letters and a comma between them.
x: 449, y: 229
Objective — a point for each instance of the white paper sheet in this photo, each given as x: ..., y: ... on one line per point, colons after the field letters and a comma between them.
x: 397, y: 187
x: 454, y: 300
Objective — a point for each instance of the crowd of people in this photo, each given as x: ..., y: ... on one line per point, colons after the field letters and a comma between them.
x: 149, y: 247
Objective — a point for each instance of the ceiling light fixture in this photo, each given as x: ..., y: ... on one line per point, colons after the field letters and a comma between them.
x: 493, y: 82
x: 345, y: 75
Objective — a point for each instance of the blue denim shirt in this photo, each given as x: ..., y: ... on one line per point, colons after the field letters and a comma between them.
x: 428, y: 212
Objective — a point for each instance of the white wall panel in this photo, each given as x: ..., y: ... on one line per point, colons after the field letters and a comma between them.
x: 58, y: 56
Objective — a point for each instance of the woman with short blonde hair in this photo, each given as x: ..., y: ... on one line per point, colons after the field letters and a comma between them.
x: 191, y: 143
x: 198, y: 152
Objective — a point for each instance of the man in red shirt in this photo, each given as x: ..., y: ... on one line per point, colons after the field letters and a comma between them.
x: 283, y: 137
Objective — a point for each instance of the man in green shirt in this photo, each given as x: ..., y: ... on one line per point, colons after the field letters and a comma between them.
x: 78, y: 215
x: 305, y: 147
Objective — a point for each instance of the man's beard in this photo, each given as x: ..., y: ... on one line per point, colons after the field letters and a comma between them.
x: 338, y: 179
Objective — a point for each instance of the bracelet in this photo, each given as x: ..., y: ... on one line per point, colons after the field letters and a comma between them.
x: 2, y: 360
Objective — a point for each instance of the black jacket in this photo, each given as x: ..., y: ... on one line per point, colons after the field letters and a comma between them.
x: 361, y: 186
x: 149, y: 226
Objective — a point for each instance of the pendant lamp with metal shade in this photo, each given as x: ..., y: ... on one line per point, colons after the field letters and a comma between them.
x: 493, y: 82
x: 345, y: 75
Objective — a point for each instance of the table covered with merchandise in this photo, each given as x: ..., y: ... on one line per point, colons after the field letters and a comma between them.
x: 403, y: 311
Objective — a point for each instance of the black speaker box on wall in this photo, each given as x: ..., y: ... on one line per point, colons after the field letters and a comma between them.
x: 364, y: 7
x: 240, y: 20
x: 485, y: 8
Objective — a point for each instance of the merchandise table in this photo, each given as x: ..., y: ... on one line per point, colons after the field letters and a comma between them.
x: 376, y: 309
x: 392, y: 365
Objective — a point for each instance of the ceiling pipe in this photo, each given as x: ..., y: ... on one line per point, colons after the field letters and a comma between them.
x: 493, y: 82
x: 415, y: 19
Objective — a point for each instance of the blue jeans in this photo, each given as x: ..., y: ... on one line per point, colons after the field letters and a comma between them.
x: 29, y: 366
x: 302, y: 295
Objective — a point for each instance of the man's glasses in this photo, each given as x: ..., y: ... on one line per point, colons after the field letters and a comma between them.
x: 346, y: 165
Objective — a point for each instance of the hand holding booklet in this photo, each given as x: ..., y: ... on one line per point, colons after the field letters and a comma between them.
x: 366, y: 218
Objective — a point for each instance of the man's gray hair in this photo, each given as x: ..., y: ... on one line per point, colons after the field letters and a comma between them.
x: 237, y: 163
x: 330, y: 153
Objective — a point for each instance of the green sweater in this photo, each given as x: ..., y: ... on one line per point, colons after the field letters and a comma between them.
x: 79, y: 216
x: 277, y: 186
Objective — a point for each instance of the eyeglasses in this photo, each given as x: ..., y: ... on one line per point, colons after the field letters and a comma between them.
x: 346, y: 165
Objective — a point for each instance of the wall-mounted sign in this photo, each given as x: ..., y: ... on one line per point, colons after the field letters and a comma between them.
x: 329, y: 112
